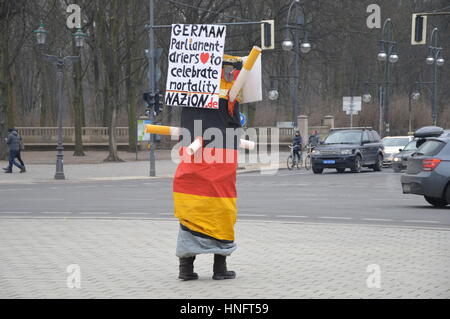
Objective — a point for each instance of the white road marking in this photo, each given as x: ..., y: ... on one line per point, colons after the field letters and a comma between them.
x: 84, y: 186
x: 56, y: 213
x: 252, y: 215
x: 15, y: 212
x: 332, y: 217
x: 378, y: 219
x: 422, y: 221
x: 292, y: 216
x: 135, y: 213
x: 15, y: 189
x: 95, y: 213
x: 164, y: 213
x: 43, y: 199
x: 131, y: 199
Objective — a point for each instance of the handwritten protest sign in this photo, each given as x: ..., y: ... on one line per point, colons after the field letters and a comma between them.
x: 195, y: 65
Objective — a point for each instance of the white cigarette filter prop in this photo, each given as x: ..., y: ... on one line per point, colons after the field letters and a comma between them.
x: 243, y: 74
x: 195, y: 146
x: 162, y: 130
x: 246, y: 144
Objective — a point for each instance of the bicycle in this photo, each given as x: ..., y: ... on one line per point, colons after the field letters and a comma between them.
x: 309, y: 149
x: 292, y: 160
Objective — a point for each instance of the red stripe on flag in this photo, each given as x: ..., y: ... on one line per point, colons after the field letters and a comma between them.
x: 213, y: 180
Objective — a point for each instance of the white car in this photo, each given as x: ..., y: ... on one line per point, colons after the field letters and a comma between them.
x: 392, y: 146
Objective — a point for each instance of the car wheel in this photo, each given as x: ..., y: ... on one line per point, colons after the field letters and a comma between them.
x: 396, y: 168
x: 378, y: 164
x: 340, y: 170
x: 317, y: 170
x: 447, y: 194
x: 356, y: 168
x: 436, y: 202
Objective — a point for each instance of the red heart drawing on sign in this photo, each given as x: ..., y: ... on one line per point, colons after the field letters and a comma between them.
x: 204, y: 57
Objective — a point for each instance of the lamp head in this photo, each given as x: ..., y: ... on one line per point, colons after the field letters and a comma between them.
x: 367, y: 98
x: 415, y: 95
x: 305, y: 47
x: 273, y: 95
x: 382, y: 56
x: 41, y: 34
x: 79, y: 38
x: 430, y: 60
x: 287, y: 45
x: 393, y: 58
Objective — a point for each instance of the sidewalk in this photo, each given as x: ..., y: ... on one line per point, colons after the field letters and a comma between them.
x: 136, y: 259
x: 41, y: 167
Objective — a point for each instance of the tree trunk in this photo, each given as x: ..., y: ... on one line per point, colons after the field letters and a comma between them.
x: 130, y: 85
x: 78, y: 104
x: 110, y: 53
x: 4, y: 108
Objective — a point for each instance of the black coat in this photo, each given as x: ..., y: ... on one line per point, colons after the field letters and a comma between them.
x: 297, y: 142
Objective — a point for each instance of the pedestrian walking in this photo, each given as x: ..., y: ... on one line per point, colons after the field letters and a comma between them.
x: 14, y: 144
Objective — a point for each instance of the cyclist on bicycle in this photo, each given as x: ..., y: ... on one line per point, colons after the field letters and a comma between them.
x: 297, y: 145
x: 314, y: 139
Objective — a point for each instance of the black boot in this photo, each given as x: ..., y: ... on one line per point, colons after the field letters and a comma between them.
x: 187, y: 269
x: 220, y: 268
x: 23, y: 169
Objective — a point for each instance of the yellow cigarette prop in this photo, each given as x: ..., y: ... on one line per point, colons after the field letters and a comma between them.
x: 243, y: 74
x: 162, y: 130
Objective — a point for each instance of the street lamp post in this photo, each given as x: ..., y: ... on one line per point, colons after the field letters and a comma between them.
x: 294, y: 45
x: 152, y: 83
x: 387, y: 55
x: 367, y: 97
x: 436, y: 60
x: 60, y: 62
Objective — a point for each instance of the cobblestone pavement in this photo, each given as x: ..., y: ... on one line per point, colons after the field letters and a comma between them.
x: 135, y: 259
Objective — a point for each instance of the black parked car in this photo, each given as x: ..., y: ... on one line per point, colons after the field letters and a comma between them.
x: 428, y: 171
x: 351, y: 148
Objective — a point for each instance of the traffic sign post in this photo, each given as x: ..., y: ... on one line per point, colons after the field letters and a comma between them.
x: 351, y: 105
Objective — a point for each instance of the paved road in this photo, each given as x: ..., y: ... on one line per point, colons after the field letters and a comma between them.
x: 299, y: 235
x: 365, y: 198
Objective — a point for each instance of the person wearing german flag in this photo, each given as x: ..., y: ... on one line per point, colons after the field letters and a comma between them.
x: 204, y: 191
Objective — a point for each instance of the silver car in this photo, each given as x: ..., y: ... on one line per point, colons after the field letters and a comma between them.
x: 428, y: 172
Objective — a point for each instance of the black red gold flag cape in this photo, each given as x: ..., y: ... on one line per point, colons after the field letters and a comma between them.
x: 204, y: 193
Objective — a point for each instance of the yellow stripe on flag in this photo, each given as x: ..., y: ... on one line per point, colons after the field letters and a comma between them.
x: 212, y: 216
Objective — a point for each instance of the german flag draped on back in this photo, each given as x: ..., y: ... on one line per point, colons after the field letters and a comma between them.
x: 204, y: 191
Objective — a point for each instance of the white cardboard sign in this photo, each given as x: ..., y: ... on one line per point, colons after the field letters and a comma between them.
x: 195, y: 65
x: 252, y: 89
